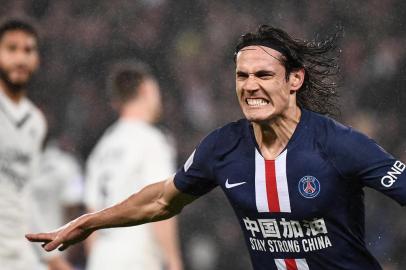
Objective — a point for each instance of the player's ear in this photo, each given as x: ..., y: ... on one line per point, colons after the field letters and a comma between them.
x: 296, y: 79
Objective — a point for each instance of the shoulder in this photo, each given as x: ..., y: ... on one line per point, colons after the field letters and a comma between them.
x: 65, y: 161
x: 37, y: 120
x: 109, y: 135
x: 145, y: 136
x: 37, y: 114
x: 330, y: 132
x: 128, y: 137
x: 342, y: 143
x: 325, y: 124
x: 107, y: 140
x: 223, y: 139
x: 149, y: 132
x: 233, y: 130
x: 129, y: 130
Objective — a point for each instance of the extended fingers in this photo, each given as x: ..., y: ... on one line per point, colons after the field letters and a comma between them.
x: 50, y: 240
x: 53, y: 244
x: 63, y: 247
x: 39, y: 237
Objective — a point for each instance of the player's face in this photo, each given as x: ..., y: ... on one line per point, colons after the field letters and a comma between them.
x: 18, y: 57
x: 262, y: 88
x: 153, y: 98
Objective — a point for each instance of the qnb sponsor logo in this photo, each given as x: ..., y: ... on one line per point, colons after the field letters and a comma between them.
x: 391, y: 176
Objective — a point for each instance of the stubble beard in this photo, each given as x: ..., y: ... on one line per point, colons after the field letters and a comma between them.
x: 15, y: 88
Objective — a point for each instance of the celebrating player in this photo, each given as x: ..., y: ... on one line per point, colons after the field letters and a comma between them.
x: 294, y: 176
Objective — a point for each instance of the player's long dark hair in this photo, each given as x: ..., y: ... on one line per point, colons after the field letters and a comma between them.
x: 318, y: 58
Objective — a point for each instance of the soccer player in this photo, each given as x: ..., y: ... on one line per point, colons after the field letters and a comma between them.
x: 21, y: 134
x: 294, y: 176
x: 125, y: 160
x: 22, y: 131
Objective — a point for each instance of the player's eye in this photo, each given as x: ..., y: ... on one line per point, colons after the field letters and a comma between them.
x: 29, y: 50
x: 241, y: 75
x: 11, y: 48
x: 264, y: 75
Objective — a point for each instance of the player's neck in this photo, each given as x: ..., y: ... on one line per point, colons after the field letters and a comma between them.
x: 135, y: 113
x: 14, y: 96
x: 273, y: 136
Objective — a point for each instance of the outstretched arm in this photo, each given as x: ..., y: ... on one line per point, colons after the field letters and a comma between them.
x: 155, y: 202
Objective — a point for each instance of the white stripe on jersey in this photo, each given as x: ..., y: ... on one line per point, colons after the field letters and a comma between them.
x: 282, y: 182
x: 261, y: 194
x: 261, y: 197
x: 280, y: 263
x: 302, y: 264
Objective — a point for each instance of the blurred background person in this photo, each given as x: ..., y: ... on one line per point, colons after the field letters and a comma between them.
x: 57, y: 193
x: 129, y: 155
x: 22, y: 131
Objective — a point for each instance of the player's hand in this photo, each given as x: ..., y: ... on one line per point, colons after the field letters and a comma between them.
x: 72, y: 233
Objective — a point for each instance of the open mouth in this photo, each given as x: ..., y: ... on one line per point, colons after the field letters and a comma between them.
x: 256, y: 102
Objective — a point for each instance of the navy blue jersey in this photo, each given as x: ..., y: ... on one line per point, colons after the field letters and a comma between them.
x: 305, y: 209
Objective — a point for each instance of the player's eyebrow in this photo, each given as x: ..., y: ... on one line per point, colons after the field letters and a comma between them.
x: 258, y: 73
x: 241, y: 73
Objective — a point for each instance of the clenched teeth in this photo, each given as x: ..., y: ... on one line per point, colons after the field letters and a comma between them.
x: 256, y: 101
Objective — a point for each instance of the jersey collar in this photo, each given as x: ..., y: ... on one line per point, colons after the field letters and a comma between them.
x: 19, y: 113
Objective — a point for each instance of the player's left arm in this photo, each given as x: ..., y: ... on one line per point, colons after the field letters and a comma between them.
x: 358, y: 157
x: 155, y: 202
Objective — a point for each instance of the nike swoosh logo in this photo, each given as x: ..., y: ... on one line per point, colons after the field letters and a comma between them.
x: 228, y: 185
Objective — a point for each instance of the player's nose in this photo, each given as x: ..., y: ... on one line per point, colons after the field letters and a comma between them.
x: 251, y: 84
x: 20, y: 57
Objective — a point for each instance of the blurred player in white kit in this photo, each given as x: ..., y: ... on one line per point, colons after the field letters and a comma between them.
x: 23, y: 128
x: 58, y: 186
x: 56, y: 193
x: 21, y: 134
x: 130, y: 154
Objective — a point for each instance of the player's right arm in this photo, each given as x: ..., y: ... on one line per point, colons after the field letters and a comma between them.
x: 155, y: 202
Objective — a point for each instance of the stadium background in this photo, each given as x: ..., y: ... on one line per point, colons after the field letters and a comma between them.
x: 189, y: 45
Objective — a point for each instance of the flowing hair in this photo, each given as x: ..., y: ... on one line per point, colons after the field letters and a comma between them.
x: 319, y: 59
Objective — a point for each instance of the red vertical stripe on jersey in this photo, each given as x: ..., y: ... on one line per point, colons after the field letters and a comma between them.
x: 290, y: 264
x: 271, y: 188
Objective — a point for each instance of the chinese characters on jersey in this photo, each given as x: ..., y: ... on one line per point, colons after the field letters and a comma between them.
x: 281, y: 235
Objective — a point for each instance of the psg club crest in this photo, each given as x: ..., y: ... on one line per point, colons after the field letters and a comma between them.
x: 309, y: 187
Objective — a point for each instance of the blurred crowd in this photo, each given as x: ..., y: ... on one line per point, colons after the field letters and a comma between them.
x: 189, y: 45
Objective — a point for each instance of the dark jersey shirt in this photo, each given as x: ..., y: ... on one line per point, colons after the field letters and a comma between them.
x: 305, y: 209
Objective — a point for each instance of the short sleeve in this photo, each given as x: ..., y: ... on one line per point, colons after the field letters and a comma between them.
x: 196, y: 176
x: 358, y: 157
